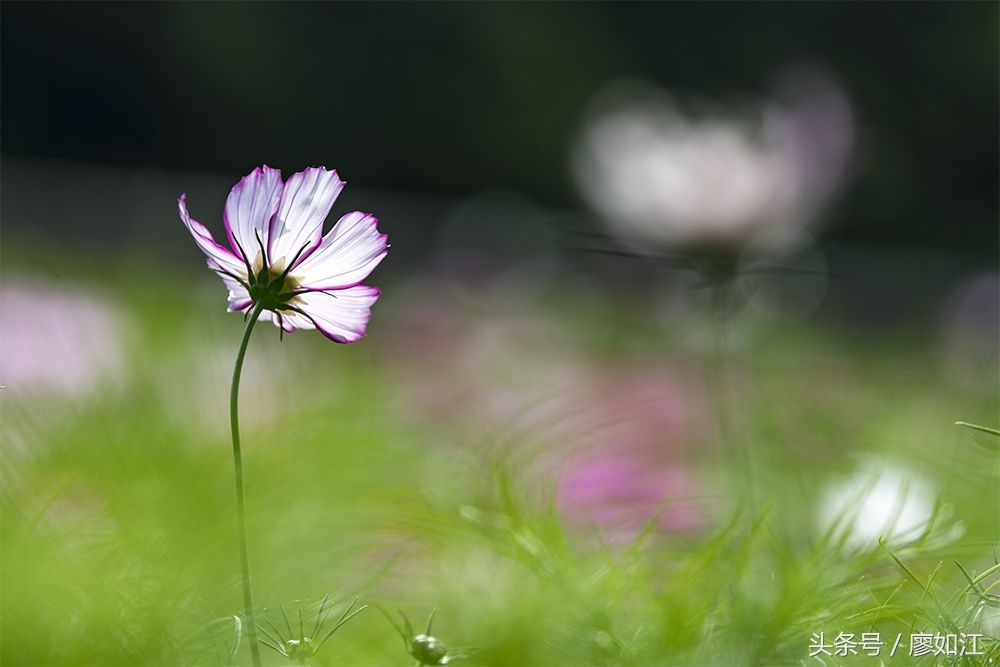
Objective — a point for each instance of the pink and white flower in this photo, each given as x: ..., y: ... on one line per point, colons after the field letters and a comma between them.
x: 279, y: 259
x: 661, y: 177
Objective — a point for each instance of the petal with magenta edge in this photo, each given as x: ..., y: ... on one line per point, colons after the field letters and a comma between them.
x: 340, y: 315
x: 249, y: 208
x: 305, y: 202
x: 346, y: 255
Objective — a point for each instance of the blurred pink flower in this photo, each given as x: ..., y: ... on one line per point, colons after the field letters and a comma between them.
x: 279, y: 258
x: 58, y: 338
x: 627, y: 465
x: 620, y: 493
x: 608, y: 439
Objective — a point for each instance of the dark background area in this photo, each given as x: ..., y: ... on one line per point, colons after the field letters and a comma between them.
x: 109, y: 110
x: 454, y: 98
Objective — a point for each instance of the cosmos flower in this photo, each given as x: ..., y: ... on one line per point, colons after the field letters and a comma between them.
x: 662, y: 177
x: 279, y: 259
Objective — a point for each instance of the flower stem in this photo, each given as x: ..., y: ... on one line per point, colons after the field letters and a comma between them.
x: 723, y: 383
x: 234, y: 420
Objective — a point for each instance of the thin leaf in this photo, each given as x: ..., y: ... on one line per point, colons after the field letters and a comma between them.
x: 237, y: 631
x: 284, y: 614
x: 396, y: 626
x: 977, y: 427
x: 343, y: 619
x: 319, y: 616
x: 264, y: 631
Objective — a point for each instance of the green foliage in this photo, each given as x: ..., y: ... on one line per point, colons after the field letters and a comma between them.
x: 119, y: 548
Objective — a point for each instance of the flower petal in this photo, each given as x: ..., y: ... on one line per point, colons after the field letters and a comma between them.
x: 239, y: 298
x: 289, y: 321
x: 346, y: 255
x: 340, y: 315
x: 249, y: 208
x: 306, y: 200
x: 219, y: 258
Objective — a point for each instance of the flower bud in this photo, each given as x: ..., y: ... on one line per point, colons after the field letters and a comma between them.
x: 428, y: 650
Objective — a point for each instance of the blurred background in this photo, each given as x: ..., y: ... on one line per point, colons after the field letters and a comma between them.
x: 428, y: 105
x: 636, y: 249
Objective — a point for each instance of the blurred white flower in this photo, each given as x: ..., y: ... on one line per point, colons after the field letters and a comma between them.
x: 660, y: 177
x: 56, y: 338
x: 882, y: 498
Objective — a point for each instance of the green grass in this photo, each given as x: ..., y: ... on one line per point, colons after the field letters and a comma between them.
x: 119, y: 542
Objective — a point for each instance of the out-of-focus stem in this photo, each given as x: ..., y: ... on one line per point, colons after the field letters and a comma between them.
x: 721, y: 379
x: 234, y: 421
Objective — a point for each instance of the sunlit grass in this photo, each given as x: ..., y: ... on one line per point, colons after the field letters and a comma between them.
x: 118, y: 545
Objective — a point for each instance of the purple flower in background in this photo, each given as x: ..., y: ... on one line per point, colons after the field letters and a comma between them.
x: 279, y: 259
x: 620, y: 493
x: 629, y: 468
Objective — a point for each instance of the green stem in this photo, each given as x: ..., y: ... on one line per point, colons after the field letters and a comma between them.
x: 722, y: 380
x: 234, y: 420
